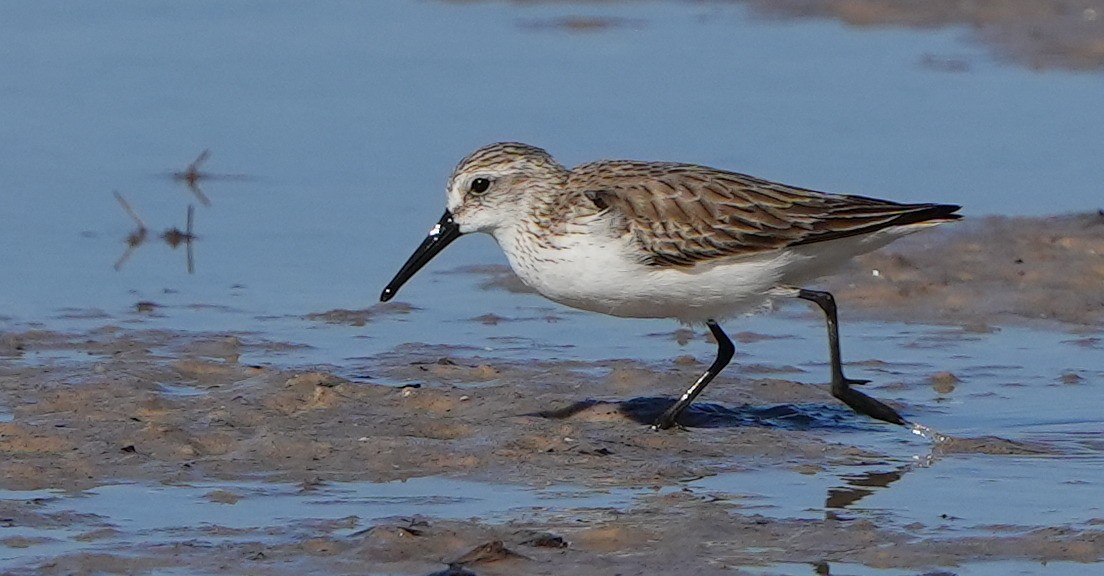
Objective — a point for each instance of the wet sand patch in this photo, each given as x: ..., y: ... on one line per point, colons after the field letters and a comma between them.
x: 541, y: 423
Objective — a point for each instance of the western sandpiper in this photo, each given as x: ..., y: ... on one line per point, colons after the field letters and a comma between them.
x: 667, y: 240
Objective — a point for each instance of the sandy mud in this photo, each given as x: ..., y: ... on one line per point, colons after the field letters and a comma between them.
x: 1063, y: 34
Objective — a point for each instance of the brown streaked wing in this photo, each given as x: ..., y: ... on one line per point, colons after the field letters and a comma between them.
x: 682, y: 214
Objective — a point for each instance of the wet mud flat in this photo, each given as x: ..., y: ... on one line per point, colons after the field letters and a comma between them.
x: 128, y: 450
x: 1063, y: 34
x: 998, y: 270
x: 1040, y: 35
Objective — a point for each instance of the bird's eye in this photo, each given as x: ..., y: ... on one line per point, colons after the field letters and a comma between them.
x: 480, y: 185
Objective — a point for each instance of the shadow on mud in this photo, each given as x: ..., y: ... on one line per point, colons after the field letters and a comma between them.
x: 647, y: 409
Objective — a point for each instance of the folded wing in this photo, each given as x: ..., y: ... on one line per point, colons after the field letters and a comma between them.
x: 683, y: 214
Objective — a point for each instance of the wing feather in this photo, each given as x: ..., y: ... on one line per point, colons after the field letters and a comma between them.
x: 683, y: 214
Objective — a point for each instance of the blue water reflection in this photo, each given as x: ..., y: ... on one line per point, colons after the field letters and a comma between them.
x: 348, y: 117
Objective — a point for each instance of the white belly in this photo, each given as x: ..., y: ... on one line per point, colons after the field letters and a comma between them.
x: 600, y: 275
x: 596, y: 273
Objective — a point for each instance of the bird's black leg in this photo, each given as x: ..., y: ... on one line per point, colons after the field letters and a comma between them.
x: 841, y: 385
x: 725, y: 350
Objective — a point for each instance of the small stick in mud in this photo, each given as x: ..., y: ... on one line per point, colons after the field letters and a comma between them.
x: 134, y: 239
x: 192, y: 175
x: 175, y: 237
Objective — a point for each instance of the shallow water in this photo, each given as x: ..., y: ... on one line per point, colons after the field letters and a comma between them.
x: 344, y: 121
x: 996, y: 568
x: 1010, y: 388
x: 143, y: 515
x: 333, y: 128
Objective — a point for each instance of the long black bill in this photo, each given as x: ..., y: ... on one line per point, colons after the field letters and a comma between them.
x: 440, y: 236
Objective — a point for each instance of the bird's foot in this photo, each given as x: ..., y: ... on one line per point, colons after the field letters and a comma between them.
x: 666, y: 422
x: 864, y: 404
